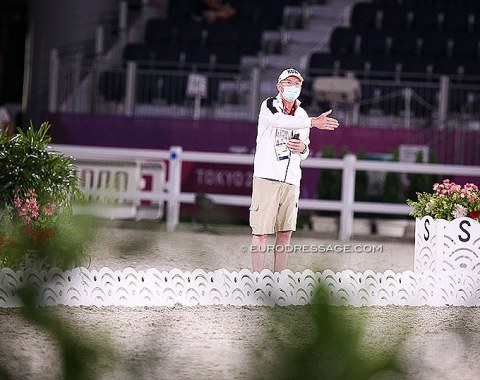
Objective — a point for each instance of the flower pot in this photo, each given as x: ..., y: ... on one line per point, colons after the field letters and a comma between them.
x: 362, y: 226
x: 391, y: 228
x: 39, y: 236
x: 324, y: 224
x: 442, y: 245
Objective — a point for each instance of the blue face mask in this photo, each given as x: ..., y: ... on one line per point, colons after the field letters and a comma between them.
x: 290, y: 93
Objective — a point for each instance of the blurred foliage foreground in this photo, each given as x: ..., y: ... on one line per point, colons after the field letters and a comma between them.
x: 332, y: 346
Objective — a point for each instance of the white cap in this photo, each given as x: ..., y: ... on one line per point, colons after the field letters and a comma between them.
x: 288, y: 73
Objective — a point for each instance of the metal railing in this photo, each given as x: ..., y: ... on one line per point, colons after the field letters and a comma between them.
x: 156, y: 88
x: 347, y: 206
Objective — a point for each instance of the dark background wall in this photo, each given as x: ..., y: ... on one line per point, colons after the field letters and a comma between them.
x: 58, y: 24
x: 13, y: 30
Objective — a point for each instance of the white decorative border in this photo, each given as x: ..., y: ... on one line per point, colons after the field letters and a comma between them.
x: 152, y: 287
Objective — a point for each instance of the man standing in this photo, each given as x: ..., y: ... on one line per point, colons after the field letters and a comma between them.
x: 282, y: 142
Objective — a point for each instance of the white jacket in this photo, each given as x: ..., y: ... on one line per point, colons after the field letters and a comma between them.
x: 270, y: 120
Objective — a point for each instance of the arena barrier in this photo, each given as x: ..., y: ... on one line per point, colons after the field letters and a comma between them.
x: 130, y: 288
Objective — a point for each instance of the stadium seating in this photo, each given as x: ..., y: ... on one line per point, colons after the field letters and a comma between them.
x: 181, y: 43
x: 410, y: 43
x: 159, y: 31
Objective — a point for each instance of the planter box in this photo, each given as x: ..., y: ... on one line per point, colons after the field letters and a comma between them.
x: 441, y: 245
x: 391, y: 228
x: 324, y: 224
x: 362, y: 226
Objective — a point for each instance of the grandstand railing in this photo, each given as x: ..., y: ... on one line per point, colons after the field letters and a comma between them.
x: 172, y: 194
x: 143, y: 89
x: 233, y: 92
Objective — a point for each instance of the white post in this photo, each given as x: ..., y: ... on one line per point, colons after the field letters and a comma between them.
x: 443, y: 101
x: 197, y: 107
x: 122, y: 22
x: 99, y: 41
x: 130, y: 88
x: 348, y: 197
x: 53, y: 81
x: 77, y: 75
x: 174, y: 187
x: 255, y: 94
x: 407, y: 94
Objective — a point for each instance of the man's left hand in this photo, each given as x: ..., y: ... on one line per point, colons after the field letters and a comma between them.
x: 295, y: 146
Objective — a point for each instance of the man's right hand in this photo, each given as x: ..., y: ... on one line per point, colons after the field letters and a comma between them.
x: 325, y: 122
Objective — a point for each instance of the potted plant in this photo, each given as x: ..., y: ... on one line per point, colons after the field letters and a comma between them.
x: 329, y: 187
x: 362, y: 223
x: 392, y: 225
x: 421, y: 182
x: 38, y: 186
x: 447, y: 227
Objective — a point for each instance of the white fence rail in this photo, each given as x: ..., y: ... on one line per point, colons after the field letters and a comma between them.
x: 171, y: 191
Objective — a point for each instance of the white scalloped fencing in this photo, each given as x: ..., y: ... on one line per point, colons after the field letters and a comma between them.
x: 156, y: 288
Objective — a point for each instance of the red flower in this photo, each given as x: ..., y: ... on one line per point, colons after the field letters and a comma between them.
x: 474, y: 214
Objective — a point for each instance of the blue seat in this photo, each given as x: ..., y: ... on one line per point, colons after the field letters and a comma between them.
x: 353, y: 63
x: 342, y: 40
x: 167, y: 57
x: 221, y: 34
x: 445, y: 66
x: 466, y: 46
x: 415, y: 69
x: 271, y: 14
x: 159, y: 31
x: 394, y: 18
x: 457, y: 20
x: 227, y: 59
x: 179, y: 9
x: 373, y: 42
x: 404, y: 43
x: 139, y: 53
x: 382, y: 67
x: 472, y: 68
x: 425, y: 19
x: 434, y: 45
x: 364, y: 16
x: 247, y: 11
x: 189, y: 33
x: 321, y: 63
x: 198, y: 58
x: 249, y: 38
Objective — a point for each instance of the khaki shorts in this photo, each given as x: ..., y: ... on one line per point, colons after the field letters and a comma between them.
x: 274, y: 206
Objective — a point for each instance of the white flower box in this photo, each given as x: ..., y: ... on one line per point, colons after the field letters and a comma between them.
x: 442, y: 245
x: 362, y: 227
x: 324, y: 224
x: 391, y: 228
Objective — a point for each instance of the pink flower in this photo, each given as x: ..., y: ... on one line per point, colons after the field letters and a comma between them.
x: 50, y: 209
x: 17, y: 202
x: 459, y: 212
